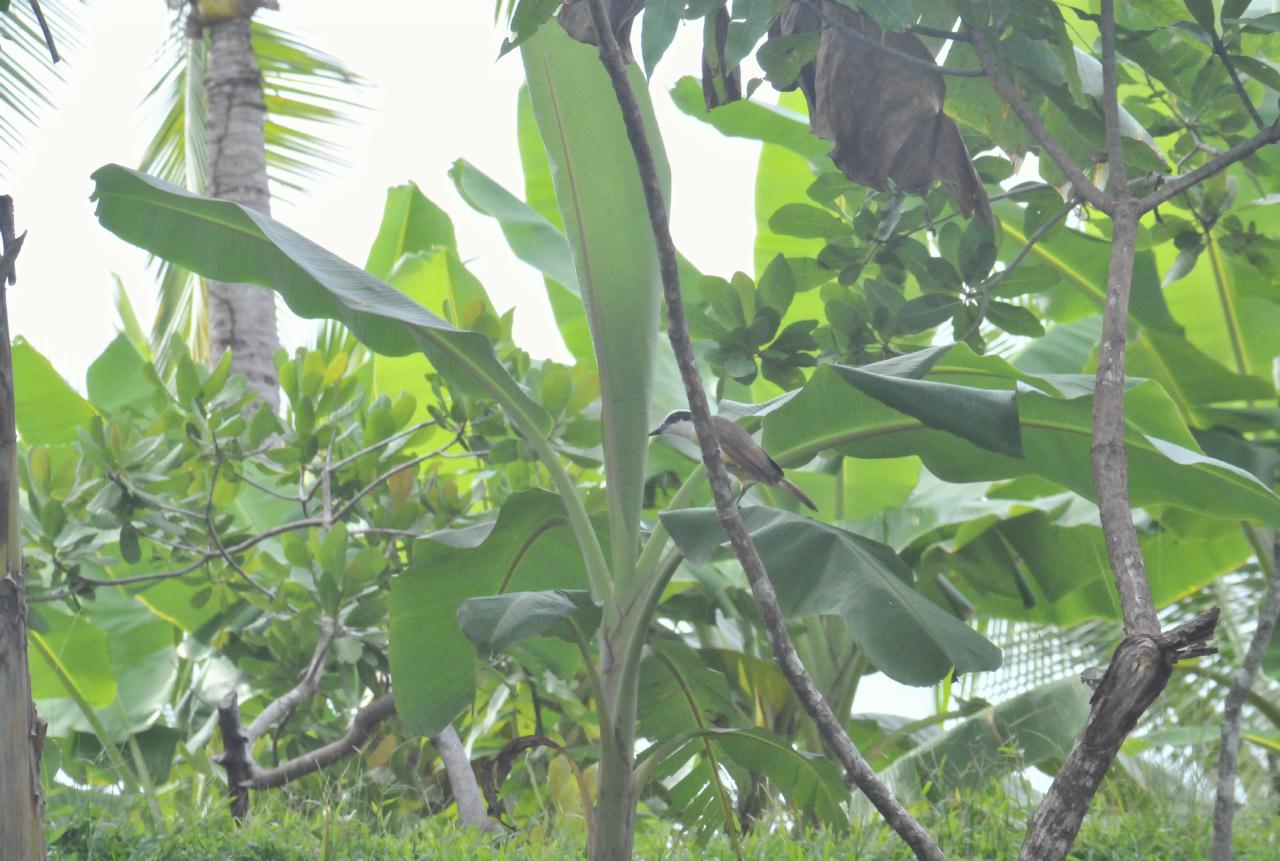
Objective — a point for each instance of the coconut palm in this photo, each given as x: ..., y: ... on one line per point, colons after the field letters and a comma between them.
x: 234, y: 98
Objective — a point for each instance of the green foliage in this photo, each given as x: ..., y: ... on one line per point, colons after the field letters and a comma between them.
x: 435, y: 512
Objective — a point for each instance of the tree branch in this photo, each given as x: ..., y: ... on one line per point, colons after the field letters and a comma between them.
x: 462, y: 780
x: 1224, y: 807
x: 1109, y: 457
x: 1116, y: 180
x: 1087, y: 191
x: 1178, y: 185
x: 857, y: 770
x: 1137, y: 674
x: 366, y: 720
x: 987, y: 287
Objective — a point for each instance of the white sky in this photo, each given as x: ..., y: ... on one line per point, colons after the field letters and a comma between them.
x: 437, y: 94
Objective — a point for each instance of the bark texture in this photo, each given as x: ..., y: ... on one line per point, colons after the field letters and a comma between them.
x: 242, y: 317
x: 21, y: 731
x: 1138, y: 673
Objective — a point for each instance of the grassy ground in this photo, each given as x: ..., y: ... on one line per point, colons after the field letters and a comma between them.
x: 989, y: 828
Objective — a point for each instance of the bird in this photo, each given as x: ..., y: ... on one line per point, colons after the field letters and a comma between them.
x: 743, y: 456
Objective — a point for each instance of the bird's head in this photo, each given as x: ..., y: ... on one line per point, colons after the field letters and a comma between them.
x: 677, y: 423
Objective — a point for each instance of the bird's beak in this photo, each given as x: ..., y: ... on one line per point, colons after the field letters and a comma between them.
x: 655, y: 431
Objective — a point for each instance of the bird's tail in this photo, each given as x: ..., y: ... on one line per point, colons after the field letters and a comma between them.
x: 798, y: 493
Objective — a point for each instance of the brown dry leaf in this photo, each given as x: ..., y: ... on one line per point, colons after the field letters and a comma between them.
x: 883, y: 113
x: 720, y: 84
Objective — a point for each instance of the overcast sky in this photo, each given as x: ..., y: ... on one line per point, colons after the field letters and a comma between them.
x: 436, y: 94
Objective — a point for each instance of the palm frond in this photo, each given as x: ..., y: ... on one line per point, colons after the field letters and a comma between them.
x: 26, y: 67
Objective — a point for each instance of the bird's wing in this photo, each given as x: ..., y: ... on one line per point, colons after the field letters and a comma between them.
x: 747, y: 452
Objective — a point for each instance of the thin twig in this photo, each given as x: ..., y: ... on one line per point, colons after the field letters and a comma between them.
x: 856, y: 768
x: 868, y: 41
x: 986, y: 288
x: 212, y: 528
x: 1224, y: 807
x: 254, y: 540
x: 1221, y: 51
x: 409, y: 431
x: 935, y: 33
x: 1093, y: 195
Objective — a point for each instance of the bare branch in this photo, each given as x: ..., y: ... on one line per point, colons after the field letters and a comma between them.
x: 1110, y: 458
x: 236, y: 757
x: 857, y: 770
x: 1224, y: 807
x: 1089, y: 192
x: 1178, y: 185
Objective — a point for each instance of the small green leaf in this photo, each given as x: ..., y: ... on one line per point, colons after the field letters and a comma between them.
x: 782, y: 57
x: 807, y: 222
x: 1014, y: 319
x: 130, y: 550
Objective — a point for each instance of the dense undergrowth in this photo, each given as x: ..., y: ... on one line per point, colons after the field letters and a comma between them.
x: 1125, y: 826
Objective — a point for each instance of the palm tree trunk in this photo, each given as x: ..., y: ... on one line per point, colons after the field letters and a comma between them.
x: 242, y: 317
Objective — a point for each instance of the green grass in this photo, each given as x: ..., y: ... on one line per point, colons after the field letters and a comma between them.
x: 1132, y: 826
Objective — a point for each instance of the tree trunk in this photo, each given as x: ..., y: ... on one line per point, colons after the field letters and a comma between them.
x: 242, y: 317
x: 21, y: 731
